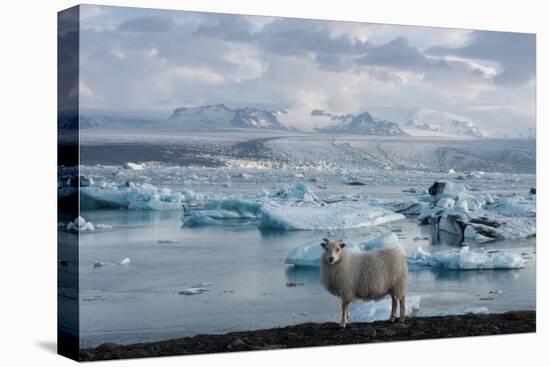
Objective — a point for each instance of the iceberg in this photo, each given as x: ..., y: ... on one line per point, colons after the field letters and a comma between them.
x: 193, y: 291
x: 310, y: 253
x: 199, y: 219
x: 464, y: 259
x: 474, y: 219
x: 446, y: 189
x: 340, y: 215
x: 369, y: 311
x: 82, y: 225
x: 134, y: 196
x: 300, y: 192
x: 387, y: 240
x: 134, y: 166
x: 219, y: 211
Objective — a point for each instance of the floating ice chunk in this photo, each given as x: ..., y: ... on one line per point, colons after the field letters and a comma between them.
x: 243, y: 208
x: 80, y: 221
x: 99, y: 264
x: 193, y: 291
x: 446, y: 203
x: 464, y: 259
x: 341, y: 215
x: 220, y: 210
x: 134, y: 166
x: 134, y: 196
x: 387, y: 240
x: 448, y: 189
x: 199, y: 219
x: 310, y: 253
x: 103, y: 226
x: 370, y: 311
x: 452, y: 171
x: 124, y: 261
x: 516, y: 206
x: 81, y: 225
x: 299, y: 192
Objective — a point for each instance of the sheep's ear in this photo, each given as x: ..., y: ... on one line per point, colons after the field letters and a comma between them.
x: 324, y: 243
x: 341, y: 243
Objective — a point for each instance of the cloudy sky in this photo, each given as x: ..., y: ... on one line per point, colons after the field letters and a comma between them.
x: 137, y: 59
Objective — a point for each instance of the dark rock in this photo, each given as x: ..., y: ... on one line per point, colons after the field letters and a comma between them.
x: 533, y: 190
x: 436, y: 188
x: 386, y: 332
x: 329, y: 333
x: 107, y: 347
x: 237, y: 343
x: 356, y: 183
x: 368, y: 331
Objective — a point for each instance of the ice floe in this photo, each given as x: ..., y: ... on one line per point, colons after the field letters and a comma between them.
x: 310, y: 253
x: 82, y: 225
x: 340, y: 215
x: 473, y: 218
x: 299, y: 192
x: 143, y: 196
x: 134, y: 166
x: 465, y: 259
x: 291, y: 208
x: 387, y: 240
x: 369, y: 311
x: 196, y: 289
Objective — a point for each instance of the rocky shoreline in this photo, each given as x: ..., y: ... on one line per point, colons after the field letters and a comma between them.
x: 325, y: 334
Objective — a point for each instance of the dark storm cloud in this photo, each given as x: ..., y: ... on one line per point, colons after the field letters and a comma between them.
x: 286, y: 37
x: 299, y: 36
x: 514, y: 52
x: 147, y: 24
x: 395, y: 54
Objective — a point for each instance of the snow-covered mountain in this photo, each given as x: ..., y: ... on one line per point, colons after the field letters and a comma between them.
x: 432, y: 122
x: 222, y: 117
x: 363, y: 124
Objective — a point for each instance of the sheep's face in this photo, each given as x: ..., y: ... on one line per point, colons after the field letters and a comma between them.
x: 333, y: 250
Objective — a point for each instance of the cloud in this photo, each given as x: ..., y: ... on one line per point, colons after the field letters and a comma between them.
x: 144, y: 58
x: 147, y: 24
x: 514, y: 52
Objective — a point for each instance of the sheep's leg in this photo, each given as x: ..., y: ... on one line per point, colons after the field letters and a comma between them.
x: 402, y: 311
x: 345, y: 306
x: 393, y: 315
x: 347, y: 313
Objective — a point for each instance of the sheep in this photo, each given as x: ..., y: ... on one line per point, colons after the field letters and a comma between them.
x: 367, y: 276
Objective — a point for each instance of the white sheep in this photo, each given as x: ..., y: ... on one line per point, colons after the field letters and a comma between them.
x: 367, y: 276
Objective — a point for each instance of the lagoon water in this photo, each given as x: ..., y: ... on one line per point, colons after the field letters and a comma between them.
x: 248, y: 286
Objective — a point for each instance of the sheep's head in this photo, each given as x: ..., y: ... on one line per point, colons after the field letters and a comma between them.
x: 333, y: 250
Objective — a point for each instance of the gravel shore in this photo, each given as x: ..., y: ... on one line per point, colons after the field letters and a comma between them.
x: 325, y: 334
